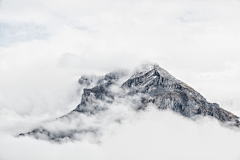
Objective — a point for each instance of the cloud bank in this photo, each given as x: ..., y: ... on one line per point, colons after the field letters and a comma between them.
x: 45, y: 46
x: 152, y: 134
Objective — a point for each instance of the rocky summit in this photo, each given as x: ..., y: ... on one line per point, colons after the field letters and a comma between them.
x: 157, y: 87
x: 154, y: 86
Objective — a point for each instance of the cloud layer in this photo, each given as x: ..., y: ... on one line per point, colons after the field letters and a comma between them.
x: 45, y: 46
x: 152, y: 134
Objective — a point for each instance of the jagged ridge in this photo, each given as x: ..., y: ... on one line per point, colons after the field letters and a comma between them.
x: 155, y: 86
x: 160, y: 88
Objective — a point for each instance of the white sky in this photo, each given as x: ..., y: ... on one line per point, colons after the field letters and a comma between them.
x: 46, y: 45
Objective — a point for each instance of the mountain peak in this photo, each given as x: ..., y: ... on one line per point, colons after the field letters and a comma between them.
x: 153, y: 85
x: 159, y: 87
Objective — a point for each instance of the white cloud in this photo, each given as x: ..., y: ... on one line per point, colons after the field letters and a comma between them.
x: 149, y: 135
x: 197, y: 41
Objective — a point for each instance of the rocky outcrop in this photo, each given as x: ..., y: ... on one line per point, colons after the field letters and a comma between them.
x: 165, y: 91
x: 153, y: 85
x: 158, y: 87
x: 89, y: 102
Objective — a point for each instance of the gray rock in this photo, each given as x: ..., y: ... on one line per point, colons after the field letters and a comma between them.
x: 155, y: 86
x: 160, y: 88
x: 90, y: 97
x: 165, y: 92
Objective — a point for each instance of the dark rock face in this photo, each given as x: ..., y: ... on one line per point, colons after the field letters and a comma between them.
x: 158, y: 87
x: 42, y: 133
x: 154, y: 86
x: 99, y: 92
x: 165, y: 91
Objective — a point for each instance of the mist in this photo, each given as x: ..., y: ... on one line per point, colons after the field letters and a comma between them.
x: 46, y: 46
x: 152, y: 134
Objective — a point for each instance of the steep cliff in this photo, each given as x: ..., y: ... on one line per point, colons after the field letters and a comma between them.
x: 158, y: 87
x: 152, y: 85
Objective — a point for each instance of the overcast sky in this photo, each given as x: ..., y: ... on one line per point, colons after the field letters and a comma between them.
x: 46, y: 45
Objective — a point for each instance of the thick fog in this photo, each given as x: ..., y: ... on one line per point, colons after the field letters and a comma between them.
x: 46, y: 46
